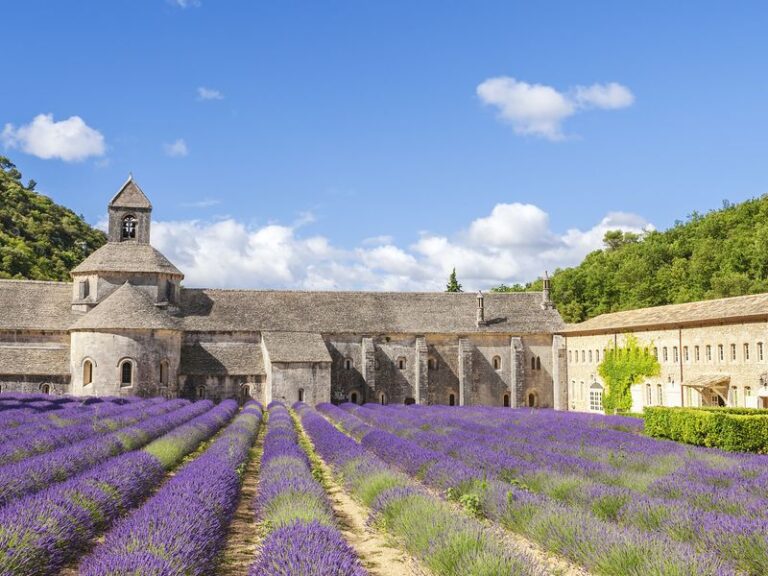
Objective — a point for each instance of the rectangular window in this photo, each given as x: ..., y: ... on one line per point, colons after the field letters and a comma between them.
x: 583, y: 356
x: 746, y: 351
x: 675, y: 357
x: 660, y: 394
x: 709, y: 352
x: 664, y: 354
x: 590, y: 355
x: 734, y: 396
x: 648, y: 395
x: 696, y: 353
x: 656, y: 353
x: 760, y: 351
x: 597, y: 355
x: 720, y: 353
x: 733, y: 351
x: 596, y: 400
x: 685, y: 354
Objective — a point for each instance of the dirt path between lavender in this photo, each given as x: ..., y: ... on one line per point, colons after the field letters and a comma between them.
x: 244, y: 535
x: 375, y: 549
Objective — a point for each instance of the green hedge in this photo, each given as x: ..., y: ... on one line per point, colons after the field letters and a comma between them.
x: 732, y: 429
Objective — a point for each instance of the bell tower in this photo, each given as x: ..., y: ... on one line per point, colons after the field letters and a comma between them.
x: 130, y: 213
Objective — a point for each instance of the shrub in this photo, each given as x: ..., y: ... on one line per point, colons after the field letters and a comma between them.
x: 733, y: 429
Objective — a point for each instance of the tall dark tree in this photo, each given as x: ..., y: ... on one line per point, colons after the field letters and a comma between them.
x: 453, y: 284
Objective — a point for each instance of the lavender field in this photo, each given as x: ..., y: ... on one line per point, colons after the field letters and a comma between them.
x: 157, y: 487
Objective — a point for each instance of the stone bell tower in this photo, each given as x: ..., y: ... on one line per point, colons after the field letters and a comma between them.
x: 130, y: 213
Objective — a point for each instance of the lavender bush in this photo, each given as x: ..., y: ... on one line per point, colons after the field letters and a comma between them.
x: 302, y: 538
x: 40, y: 532
x: 181, y: 529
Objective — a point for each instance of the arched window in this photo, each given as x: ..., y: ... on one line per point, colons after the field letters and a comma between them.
x: 301, y: 394
x: 347, y: 363
x: 532, y: 400
x: 659, y: 395
x: 164, y: 372
x: 382, y: 399
x: 129, y: 227
x: 401, y: 363
x: 533, y: 363
x: 497, y: 362
x: 245, y: 393
x: 201, y: 392
x: 126, y: 373
x: 506, y: 400
x: 87, y: 372
x: 45, y: 388
x: 451, y: 400
x: 648, y: 397
x: 538, y: 362
x: 353, y: 397
x: 432, y: 363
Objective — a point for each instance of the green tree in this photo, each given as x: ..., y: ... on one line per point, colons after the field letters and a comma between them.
x: 623, y: 366
x: 39, y: 239
x: 453, y: 284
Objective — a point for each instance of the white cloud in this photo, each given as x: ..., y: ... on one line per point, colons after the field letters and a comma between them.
x: 514, y: 243
x: 176, y: 149
x: 71, y: 140
x: 186, y: 3
x: 204, y: 93
x: 540, y: 110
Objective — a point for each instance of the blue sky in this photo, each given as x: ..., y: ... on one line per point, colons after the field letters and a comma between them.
x: 375, y: 145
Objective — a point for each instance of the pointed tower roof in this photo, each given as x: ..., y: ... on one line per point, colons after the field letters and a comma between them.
x: 130, y: 196
x: 127, y: 308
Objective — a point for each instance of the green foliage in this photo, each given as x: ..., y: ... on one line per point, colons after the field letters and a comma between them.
x: 39, y: 240
x: 724, y: 429
x: 723, y: 253
x: 621, y: 368
x: 453, y: 284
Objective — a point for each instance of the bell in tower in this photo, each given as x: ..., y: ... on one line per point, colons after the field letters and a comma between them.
x: 129, y: 215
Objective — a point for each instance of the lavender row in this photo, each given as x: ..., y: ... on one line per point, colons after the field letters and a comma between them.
x: 736, y: 530
x: 302, y: 537
x: 181, y: 529
x: 77, y: 429
x: 17, y: 413
x: 600, y: 546
x: 77, y: 414
x: 41, y: 532
x: 538, y: 448
x: 448, y: 543
x: 35, y: 473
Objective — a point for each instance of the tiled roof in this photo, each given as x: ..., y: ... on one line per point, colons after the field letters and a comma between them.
x: 127, y: 257
x: 33, y: 360
x: 31, y: 305
x: 364, y: 312
x: 130, y: 196
x: 220, y: 358
x: 295, y: 347
x: 753, y: 307
x: 127, y: 308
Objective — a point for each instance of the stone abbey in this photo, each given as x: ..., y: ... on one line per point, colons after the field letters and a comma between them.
x: 125, y: 325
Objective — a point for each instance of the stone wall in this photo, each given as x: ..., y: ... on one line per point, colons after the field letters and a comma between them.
x: 306, y: 381
x: 107, y: 350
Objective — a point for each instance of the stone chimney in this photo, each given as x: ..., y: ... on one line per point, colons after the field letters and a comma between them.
x: 546, y: 301
x: 480, y: 309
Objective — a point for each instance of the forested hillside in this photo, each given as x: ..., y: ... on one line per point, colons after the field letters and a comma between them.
x: 39, y: 239
x: 723, y: 253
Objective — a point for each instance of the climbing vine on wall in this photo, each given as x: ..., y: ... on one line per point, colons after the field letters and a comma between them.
x: 623, y: 366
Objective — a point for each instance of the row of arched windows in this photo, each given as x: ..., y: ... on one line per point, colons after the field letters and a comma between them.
x: 127, y: 370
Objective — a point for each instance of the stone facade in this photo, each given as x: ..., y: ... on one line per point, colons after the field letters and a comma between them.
x: 718, y: 358
x: 126, y: 326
